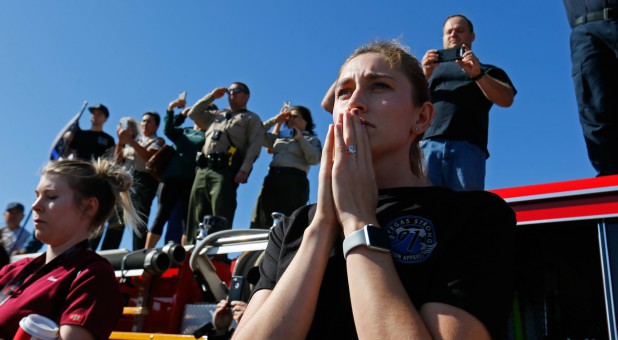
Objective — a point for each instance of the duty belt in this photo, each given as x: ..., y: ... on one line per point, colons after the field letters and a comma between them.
x: 606, y: 14
x: 215, y: 160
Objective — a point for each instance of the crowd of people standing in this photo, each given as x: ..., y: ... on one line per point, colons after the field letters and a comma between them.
x: 209, y: 161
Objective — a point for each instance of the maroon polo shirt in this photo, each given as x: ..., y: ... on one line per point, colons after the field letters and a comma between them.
x: 80, y: 290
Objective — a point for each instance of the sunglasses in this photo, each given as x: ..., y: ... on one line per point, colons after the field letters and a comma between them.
x: 236, y: 90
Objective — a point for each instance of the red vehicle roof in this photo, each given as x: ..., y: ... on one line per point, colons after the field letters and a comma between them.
x: 582, y: 199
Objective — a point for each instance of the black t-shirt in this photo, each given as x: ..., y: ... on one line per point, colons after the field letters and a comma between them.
x: 449, y: 247
x: 91, y: 144
x: 462, y: 110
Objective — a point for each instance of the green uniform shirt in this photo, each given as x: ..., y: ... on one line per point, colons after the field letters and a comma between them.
x: 187, y: 143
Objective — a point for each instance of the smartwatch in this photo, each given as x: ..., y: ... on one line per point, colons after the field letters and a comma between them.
x: 370, y: 236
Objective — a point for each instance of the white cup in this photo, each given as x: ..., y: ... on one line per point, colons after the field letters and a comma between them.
x: 36, y: 327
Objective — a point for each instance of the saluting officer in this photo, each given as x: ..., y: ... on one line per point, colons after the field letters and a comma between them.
x: 234, y: 138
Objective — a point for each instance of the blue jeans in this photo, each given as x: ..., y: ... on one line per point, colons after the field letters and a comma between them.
x: 455, y: 164
x: 594, y: 55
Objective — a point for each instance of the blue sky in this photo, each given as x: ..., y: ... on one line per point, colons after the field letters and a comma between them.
x: 136, y: 56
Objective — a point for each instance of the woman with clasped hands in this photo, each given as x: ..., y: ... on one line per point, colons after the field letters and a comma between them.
x: 70, y: 283
x: 383, y: 254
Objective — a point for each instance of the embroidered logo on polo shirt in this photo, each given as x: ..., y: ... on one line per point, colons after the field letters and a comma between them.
x: 76, y: 317
x: 413, y: 239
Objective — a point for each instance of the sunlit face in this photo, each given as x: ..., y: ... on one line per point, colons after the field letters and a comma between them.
x: 456, y: 32
x: 98, y: 118
x: 57, y: 219
x: 237, y: 98
x: 148, y: 125
x: 296, y: 121
x: 384, y: 98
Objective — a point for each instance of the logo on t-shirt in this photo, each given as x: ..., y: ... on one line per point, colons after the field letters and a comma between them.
x: 413, y: 238
x: 103, y: 141
x: 76, y: 317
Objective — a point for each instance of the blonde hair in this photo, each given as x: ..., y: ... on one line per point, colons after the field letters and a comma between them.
x: 102, y: 179
x: 398, y: 57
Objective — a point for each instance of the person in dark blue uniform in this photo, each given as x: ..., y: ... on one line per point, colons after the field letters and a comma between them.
x: 594, y: 55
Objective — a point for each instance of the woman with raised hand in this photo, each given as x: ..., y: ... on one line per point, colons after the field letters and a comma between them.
x: 179, y: 174
x: 286, y: 187
x: 133, y: 150
x: 383, y: 254
x: 69, y: 283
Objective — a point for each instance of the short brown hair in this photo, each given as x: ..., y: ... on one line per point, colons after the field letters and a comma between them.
x: 463, y: 17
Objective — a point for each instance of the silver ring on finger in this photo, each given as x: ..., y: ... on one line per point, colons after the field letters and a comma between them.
x: 351, y: 149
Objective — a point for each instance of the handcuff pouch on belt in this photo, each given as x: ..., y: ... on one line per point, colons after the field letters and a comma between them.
x: 219, y: 160
x: 216, y: 160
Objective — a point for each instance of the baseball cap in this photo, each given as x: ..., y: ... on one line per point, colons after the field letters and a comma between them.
x: 15, y: 205
x: 100, y: 107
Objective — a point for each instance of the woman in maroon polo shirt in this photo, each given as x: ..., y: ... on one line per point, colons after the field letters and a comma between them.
x: 69, y: 283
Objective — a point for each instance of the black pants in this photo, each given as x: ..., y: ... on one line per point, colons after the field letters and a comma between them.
x: 595, y: 74
x: 173, y: 191
x: 144, y: 191
x: 284, y: 190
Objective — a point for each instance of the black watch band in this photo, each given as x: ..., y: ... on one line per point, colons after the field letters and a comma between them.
x: 479, y: 76
x: 369, y: 236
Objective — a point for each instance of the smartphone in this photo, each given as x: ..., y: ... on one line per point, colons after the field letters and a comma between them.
x: 236, y: 288
x: 450, y: 54
x: 182, y: 95
x: 288, y: 133
x: 124, y: 123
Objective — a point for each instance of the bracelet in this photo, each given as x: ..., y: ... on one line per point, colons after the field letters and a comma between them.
x: 478, y: 76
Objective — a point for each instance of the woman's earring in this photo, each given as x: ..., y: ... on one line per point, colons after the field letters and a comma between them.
x: 417, y: 129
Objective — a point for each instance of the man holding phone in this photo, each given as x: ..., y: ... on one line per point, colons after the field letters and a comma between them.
x: 234, y: 138
x: 463, y: 90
